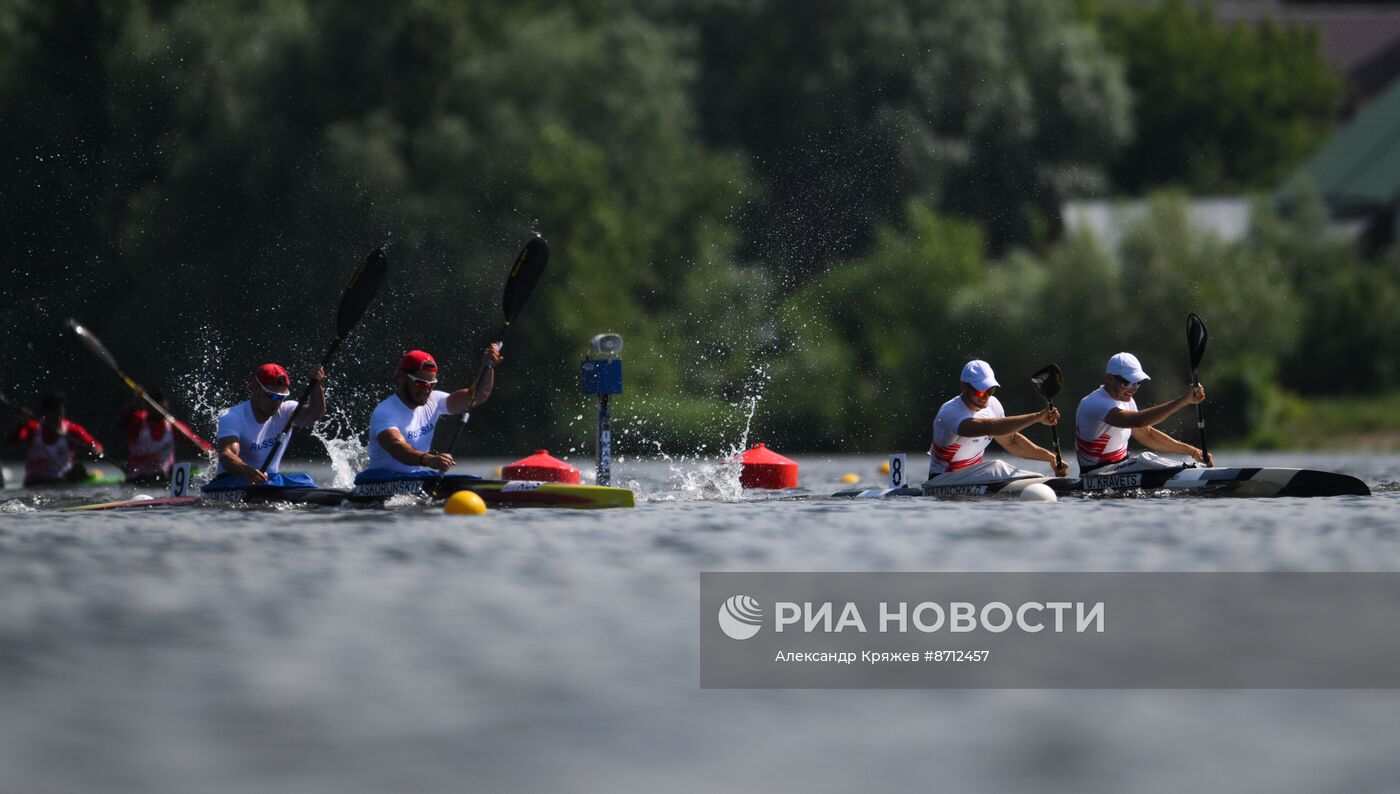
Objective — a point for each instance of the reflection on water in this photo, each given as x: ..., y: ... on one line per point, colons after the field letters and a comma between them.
x: 232, y: 649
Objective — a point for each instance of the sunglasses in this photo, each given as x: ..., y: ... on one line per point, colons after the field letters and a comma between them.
x: 275, y: 396
x: 420, y: 381
x: 1125, y: 383
x: 986, y: 392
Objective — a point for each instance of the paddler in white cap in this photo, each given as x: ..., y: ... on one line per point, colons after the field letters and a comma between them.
x: 1109, y: 415
x: 966, y: 425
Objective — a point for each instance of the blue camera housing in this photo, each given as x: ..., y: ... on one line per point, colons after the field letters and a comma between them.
x: 601, y: 376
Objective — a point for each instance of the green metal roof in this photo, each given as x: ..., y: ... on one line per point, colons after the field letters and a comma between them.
x: 1359, y: 168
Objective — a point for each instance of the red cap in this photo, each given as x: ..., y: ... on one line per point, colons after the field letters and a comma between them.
x: 273, y: 377
x: 415, y: 360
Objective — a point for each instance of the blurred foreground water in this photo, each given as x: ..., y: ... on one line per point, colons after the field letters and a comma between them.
x: 345, y: 650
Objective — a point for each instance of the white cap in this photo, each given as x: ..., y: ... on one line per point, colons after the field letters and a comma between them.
x: 1126, y: 366
x: 978, y: 374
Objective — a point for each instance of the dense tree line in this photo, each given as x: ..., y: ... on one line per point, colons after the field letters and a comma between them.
x: 825, y: 203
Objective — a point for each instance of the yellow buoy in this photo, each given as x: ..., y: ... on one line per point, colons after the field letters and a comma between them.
x: 464, y: 503
x: 850, y: 478
x: 885, y: 467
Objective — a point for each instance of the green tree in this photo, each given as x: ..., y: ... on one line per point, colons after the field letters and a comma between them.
x: 994, y: 111
x: 1216, y: 108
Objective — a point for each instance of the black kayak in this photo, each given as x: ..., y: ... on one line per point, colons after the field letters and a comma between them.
x: 1224, y: 481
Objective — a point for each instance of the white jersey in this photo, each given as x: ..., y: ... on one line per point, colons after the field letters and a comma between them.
x: 950, y: 451
x: 255, y: 438
x: 1096, y: 442
x: 416, y: 425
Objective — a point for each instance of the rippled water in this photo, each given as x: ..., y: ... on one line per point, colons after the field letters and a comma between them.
x: 311, y: 650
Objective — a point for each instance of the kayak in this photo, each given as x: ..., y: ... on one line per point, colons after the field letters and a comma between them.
x: 299, y: 489
x: 1234, y: 482
x: 1023, y: 488
x: 516, y: 493
x: 1145, y: 472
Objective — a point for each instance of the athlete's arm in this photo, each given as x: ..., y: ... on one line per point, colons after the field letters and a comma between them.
x: 82, y: 436
x: 1023, y: 447
x: 315, y: 407
x: 458, y: 401
x: 1119, y: 417
x: 400, y: 450
x: 1005, y: 426
x: 228, y: 455
x: 1155, y: 439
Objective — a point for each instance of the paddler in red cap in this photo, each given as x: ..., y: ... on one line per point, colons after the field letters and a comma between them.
x: 965, y: 426
x: 1108, y: 416
x: 401, y: 427
x: 245, y: 434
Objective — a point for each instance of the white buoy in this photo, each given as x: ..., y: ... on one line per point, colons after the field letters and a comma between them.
x: 1039, y: 492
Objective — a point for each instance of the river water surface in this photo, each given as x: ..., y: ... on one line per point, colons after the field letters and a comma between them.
x: 219, y: 649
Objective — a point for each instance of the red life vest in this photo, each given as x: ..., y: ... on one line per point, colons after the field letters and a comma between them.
x: 49, y: 453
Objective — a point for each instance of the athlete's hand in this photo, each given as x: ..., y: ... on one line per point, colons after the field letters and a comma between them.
x: 491, y: 356
x: 254, y: 475
x: 317, y: 375
x: 440, y: 461
x: 1195, y: 394
x: 1049, y: 416
x: 1205, y: 458
x: 1061, y: 469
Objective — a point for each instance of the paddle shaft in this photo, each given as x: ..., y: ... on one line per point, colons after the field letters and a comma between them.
x: 1196, y: 338
x: 101, y: 351
x: 1055, y: 437
x: 476, y: 385
x: 160, y: 409
x: 1201, y: 421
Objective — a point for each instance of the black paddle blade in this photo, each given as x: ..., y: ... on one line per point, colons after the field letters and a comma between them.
x: 361, y: 290
x: 523, y: 276
x: 1048, y: 381
x: 1196, y: 337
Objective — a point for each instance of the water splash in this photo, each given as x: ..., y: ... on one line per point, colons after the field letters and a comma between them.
x: 720, y: 479
x: 345, y: 444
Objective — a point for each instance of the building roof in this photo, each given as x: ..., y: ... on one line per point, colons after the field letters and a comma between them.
x: 1358, y: 170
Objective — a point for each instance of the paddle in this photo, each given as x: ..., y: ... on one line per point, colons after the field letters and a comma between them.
x: 1196, y: 337
x: 101, y: 351
x: 1048, y: 382
x: 529, y: 264
x: 358, y: 294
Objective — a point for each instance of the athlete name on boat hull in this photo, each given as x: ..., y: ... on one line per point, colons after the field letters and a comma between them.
x: 390, y: 488
x: 1095, y: 482
x: 956, y: 490
x: 229, y: 495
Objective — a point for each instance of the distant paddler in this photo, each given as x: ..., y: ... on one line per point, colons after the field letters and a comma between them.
x: 401, y: 427
x: 51, y: 443
x: 151, y: 437
x: 248, y: 430
x: 1108, y: 416
x: 965, y: 426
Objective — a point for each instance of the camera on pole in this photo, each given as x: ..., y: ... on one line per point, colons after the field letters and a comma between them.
x: 601, y: 374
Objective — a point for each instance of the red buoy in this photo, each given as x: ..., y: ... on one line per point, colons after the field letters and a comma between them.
x: 541, y: 467
x: 761, y: 467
